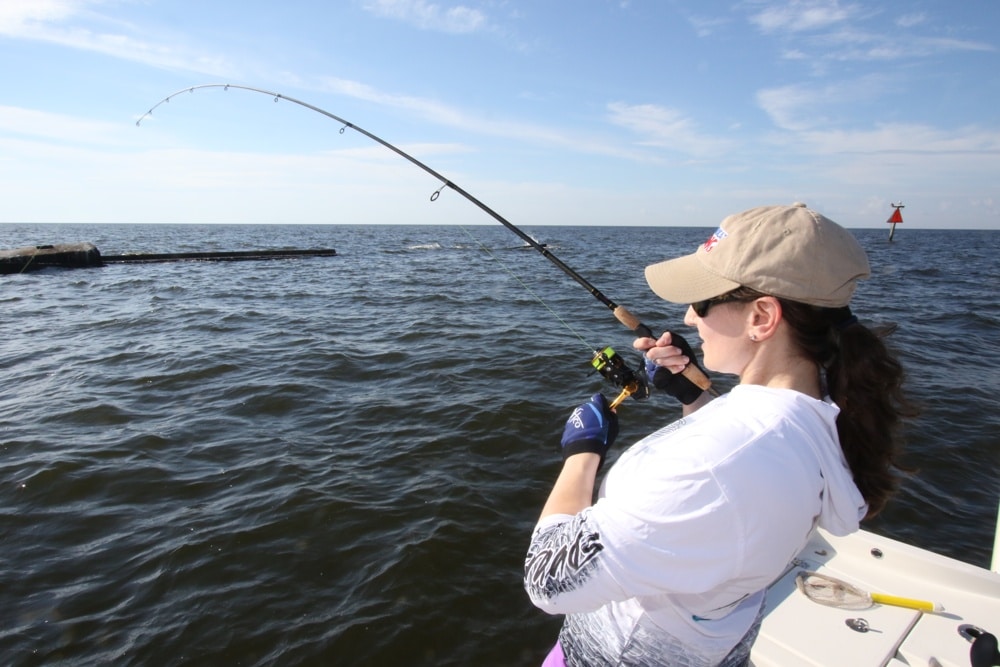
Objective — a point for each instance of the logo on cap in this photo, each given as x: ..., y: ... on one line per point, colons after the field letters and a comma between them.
x: 719, y: 234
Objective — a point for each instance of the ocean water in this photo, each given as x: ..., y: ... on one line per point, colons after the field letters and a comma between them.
x: 339, y: 460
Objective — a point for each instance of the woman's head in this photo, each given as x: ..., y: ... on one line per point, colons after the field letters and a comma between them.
x: 747, y: 318
x: 786, y: 274
x: 790, y: 252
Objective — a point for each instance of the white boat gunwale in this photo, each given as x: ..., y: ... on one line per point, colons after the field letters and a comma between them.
x: 797, y: 631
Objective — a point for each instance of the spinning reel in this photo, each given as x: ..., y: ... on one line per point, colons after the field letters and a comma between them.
x: 615, y: 370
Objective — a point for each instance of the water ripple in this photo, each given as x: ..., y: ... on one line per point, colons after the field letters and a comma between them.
x: 339, y: 460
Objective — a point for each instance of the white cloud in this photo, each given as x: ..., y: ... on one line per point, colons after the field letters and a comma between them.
x: 71, y: 24
x: 801, y: 15
x: 910, y: 20
x: 705, y: 26
x: 56, y: 127
x: 838, y: 33
x: 661, y: 127
x: 17, y: 16
x: 429, y: 16
x: 450, y: 116
x: 905, y: 139
x: 426, y: 108
x: 857, y: 45
x: 800, y: 107
x: 810, y: 123
x: 785, y: 106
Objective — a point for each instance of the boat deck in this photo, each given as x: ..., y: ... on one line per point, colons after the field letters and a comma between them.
x: 799, y: 632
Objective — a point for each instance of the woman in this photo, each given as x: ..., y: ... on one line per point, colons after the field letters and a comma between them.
x: 670, y: 564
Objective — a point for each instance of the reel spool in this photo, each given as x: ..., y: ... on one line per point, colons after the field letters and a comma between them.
x: 615, y: 370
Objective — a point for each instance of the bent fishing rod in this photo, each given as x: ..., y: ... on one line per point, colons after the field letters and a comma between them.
x: 605, y: 361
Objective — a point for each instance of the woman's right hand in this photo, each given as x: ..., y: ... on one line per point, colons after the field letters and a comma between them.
x: 664, y: 353
x: 666, y: 357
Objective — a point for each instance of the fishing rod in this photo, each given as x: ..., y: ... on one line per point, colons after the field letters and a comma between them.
x: 607, y: 362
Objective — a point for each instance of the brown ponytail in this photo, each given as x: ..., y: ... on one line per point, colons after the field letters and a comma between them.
x: 866, y: 381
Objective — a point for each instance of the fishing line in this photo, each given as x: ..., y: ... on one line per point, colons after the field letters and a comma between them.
x: 512, y: 274
x: 606, y: 361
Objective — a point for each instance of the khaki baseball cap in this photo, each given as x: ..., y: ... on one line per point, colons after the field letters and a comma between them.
x: 790, y: 252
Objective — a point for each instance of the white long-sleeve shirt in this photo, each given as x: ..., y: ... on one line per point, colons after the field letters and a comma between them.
x: 690, y: 526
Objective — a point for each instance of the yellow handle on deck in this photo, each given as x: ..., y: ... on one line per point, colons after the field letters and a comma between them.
x: 909, y: 603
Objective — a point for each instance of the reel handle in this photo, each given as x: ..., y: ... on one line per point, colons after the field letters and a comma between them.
x: 691, y: 371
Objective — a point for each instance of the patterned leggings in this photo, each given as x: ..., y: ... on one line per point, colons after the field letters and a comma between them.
x: 738, y: 657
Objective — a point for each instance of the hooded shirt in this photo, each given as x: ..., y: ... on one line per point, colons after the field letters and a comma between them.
x: 691, y: 525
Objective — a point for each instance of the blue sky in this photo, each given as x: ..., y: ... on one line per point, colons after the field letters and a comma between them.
x: 656, y: 112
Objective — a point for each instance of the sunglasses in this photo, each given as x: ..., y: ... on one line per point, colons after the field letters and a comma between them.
x: 700, y: 308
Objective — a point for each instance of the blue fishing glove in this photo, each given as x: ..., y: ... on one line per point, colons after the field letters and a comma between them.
x: 675, y: 384
x: 592, y: 427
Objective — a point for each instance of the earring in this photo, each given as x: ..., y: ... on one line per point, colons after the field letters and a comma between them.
x: 753, y: 337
